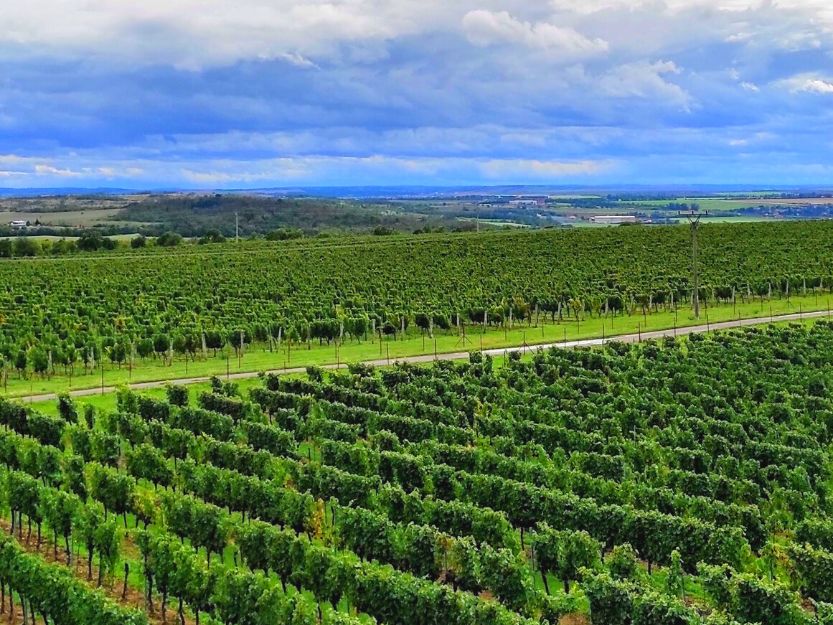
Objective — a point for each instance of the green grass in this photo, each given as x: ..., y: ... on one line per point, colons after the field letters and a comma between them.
x: 107, y: 402
x: 260, y: 359
x: 721, y: 219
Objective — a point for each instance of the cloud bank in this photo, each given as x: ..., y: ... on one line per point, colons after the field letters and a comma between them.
x: 213, y: 93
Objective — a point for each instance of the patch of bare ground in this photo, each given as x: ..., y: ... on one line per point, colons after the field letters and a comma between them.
x: 576, y: 618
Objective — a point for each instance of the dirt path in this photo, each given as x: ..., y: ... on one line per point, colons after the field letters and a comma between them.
x: 426, y: 358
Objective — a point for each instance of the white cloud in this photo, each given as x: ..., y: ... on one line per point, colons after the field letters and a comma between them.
x: 131, y: 170
x: 644, y: 79
x: 198, y: 33
x: 43, y: 169
x: 298, y: 60
x: 404, y: 88
x: 509, y: 169
x: 808, y: 84
x: 12, y: 159
x: 753, y: 139
x: 487, y: 27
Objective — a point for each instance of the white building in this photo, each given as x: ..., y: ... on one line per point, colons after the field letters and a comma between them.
x: 18, y: 224
x: 529, y: 201
x: 614, y: 220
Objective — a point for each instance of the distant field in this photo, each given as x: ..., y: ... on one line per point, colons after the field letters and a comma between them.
x: 495, y: 222
x: 703, y: 203
x: 721, y: 204
x: 814, y: 201
x: 720, y: 219
x: 84, y: 218
x: 63, y: 203
x: 49, y: 237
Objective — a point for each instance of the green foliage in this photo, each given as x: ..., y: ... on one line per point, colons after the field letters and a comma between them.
x: 749, y: 598
x: 438, y: 494
x: 67, y: 409
x: 675, y: 580
x: 301, y: 293
x: 56, y: 593
x: 619, y: 602
x: 168, y: 239
x: 565, y: 553
x: 814, y: 569
x: 147, y: 462
x: 623, y: 563
x: 177, y: 395
x: 107, y: 543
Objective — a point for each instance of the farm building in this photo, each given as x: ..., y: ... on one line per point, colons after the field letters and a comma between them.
x: 614, y: 220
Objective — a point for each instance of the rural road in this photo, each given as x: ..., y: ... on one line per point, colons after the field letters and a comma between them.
x: 622, y: 338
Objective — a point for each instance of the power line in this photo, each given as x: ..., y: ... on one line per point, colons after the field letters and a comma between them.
x: 694, y: 223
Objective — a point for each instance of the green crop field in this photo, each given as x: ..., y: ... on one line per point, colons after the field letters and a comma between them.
x: 686, y: 479
x: 679, y: 481
x: 197, y: 310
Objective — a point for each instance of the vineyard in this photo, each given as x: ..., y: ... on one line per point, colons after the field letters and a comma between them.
x: 189, y: 304
x: 680, y: 482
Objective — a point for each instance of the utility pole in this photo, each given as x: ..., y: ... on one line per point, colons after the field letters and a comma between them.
x: 236, y: 227
x: 694, y: 223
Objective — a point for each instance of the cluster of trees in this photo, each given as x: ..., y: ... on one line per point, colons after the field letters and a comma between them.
x: 193, y: 215
x: 88, y: 241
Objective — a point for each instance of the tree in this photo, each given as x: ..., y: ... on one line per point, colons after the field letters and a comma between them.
x: 161, y: 345
x: 118, y: 353
x: 212, y: 236
x: 169, y: 239
x: 70, y: 357
x: 25, y: 246
x: 138, y: 242
x: 90, y: 241
x: 20, y: 362
x: 39, y: 360
x: 144, y: 347
x: 214, y: 340
x: 62, y: 247
x: 283, y: 234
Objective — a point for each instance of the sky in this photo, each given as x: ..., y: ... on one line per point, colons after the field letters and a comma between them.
x: 284, y: 93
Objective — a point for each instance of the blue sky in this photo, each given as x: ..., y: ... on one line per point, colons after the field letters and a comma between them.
x: 258, y: 93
